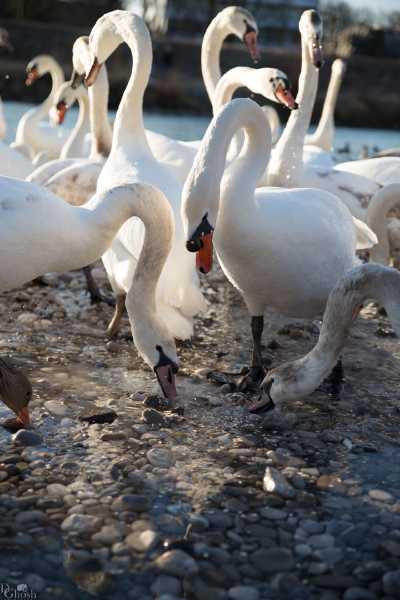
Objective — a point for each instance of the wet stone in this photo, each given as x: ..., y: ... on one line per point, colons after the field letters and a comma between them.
x: 57, y: 409
x: 276, y: 483
x: 380, y: 496
x: 142, y: 541
x: 25, y: 437
x: 160, y: 457
x: 165, y: 584
x: 80, y: 524
x: 323, y: 540
x: 176, y: 562
x: 131, y: 502
x: 391, y: 583
x: 56, y: 489
x: 243, y: 592
x: 358, y: 593
x: 153, y: 417
x: 97, y: 415
x: 272, y: 560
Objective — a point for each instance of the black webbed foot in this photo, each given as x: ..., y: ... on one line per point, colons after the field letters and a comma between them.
x: 251, y: 381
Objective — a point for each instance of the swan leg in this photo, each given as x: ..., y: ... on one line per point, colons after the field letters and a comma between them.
x: 256, y: 374
x: 93, y: 288
x: 113, y: 327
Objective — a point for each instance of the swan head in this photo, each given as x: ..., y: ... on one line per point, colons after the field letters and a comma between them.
x: 81, y: 55
x: 339, y: 67
x: 65, y: 98
x: 37, y: 67
x: 15, y: 390
x: 200, y: 229
x: 157, y: 348
x: 284, y: 383
x: 274, y: 85
x: 240, y: 22
x: 310, y: 26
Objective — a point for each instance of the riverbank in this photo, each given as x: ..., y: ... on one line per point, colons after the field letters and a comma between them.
x: 369, y: 97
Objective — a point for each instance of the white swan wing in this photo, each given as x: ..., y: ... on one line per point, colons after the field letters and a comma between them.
x: 366, y: 238
x: 77, y: 183
x: 384, y: 170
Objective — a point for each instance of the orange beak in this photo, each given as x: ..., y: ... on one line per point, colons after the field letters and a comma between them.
x: 23, y: 416
x: 250, y: 39
x: 61, y: 112
x: 285, y: 97
x: 31, y: 76
x: 204, y: 256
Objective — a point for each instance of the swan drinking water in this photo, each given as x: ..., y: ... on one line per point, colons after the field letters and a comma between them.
x: 41, y: 233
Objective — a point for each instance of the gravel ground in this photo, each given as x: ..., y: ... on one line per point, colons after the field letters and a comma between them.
x: 215, y: 504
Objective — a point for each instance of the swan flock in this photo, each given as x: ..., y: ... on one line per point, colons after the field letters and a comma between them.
x: 285, y: 222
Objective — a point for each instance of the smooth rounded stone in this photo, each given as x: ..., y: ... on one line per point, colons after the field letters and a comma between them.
x: 369, y: 571
x: 78, y: 523
x: 25, y: 437
x: 357, y: 593
x: 302, y: 550
x: 165, y: 584
x: 220, y: 519
x: 27, y: 318
x: 56, y: 489
x: 30, y: 516
x: 243, y: 592
x: 272, y: 560
x: 35, y: 582
x: 276, y: 483
x: 199, y: 523
x: 329, y: 556
x: 391, y: 583
x: 312, y: 527
x: 380, y: 496
x: 273, y: 514
x: 3, y: 475
x: 108, y: 535
x: 56, y: 408
x: 391, y: 547
x: 142, y: 541
x: 324, y: 540
x: 160, y: 457
x: 131, y: 502
x: 176, y: 562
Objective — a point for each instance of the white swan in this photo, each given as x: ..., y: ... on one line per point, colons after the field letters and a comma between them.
x: 286, y: 167
x: 77, y: 143
x: 324, y: 136
x: 32, y: 136
x: 130, y: 160
x: 278, y: 247
x: 299, y: 378
x: 40, y: 233
x: 232, y: 20
x: 383, y: 170
x: 75, y: 179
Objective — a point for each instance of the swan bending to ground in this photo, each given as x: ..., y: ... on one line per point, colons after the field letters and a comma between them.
x: 281, y: 248
x: 41, y: 233
x: 33, y: 136
x: 299, y: 378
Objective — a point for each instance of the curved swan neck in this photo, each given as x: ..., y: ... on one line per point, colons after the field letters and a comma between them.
x: 129, y: 126
x: 210, y: 53
x: 288, y: 160
x: 362, y: 283
x: 77, y: 135
x: 57, y: 79
x: 381, y: 203
x: 99, y: 121
x: 208, y: 167
x: 325, y: 133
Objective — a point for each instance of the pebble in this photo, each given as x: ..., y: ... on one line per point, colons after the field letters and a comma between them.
x: 80, y: 524
x: 324, y: 540
x: 380, y: 496
x: 165, y: 584
x: 276, y: 483
x: 160, y: 457
x: 108, y: 535
x: 272, y: 560
x: 56, y: 408
x: 25, y: 437
x: 391, y: 583
x: 131, y: 502
x: 357, y: 593
x: 243, y: 592
x: 3, y: 475
x: 56, y: 489
x: 178, y: 563
x: 35, y: 582
x: 273, y: 514
x: 142, y: 541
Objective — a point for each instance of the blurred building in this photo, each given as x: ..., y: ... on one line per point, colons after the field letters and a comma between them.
x: 278, y: 20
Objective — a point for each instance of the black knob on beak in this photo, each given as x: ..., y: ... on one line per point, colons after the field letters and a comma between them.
x: 194, y: 245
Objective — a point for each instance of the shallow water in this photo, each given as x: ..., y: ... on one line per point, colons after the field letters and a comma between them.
x: 189, y: 127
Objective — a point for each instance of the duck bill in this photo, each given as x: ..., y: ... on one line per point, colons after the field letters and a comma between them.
x: 23, y: 416
x: 61, y: 112
x: 31, y: 76
x: 166, y: 380
x: 250, y: 39
x: 204, y: 256
x: 93, y: 73
x: 285, y: 97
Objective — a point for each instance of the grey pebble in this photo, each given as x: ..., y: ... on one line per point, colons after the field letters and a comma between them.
x: 166, y: 584
x: 160, y: 457
x: 391, y: 583
x: 78, y: 523
x: 357, y: 593
x: 243, y: 592
x: 25, y: 437
x: 178, y: 563
x: 272, y: 560
x: 276, y: 483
